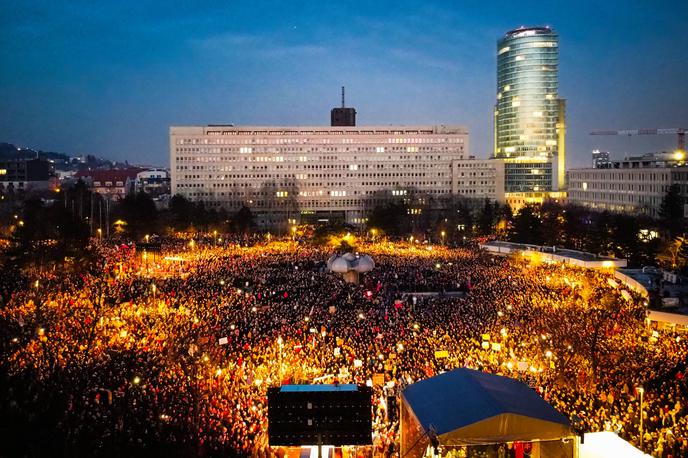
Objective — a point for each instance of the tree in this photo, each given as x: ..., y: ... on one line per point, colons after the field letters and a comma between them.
x: 139, y: 212
x: 526, y: 227
x: 671, y: 211
x: 242, y: 221
x: 391, y: 218
x: 486, y: 221
x: 180, y: 212
x: 675, y: 253
x: 553, y: 224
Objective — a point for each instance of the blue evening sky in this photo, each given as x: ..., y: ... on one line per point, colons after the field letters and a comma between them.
x: 109, y: 78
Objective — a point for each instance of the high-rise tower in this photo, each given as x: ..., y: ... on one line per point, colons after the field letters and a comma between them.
x: 529, y: 118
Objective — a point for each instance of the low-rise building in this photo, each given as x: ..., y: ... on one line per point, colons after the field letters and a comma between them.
x: 155, y: 182
x: 25, y: 175
x: 113, y: 184
x: 636, y: 184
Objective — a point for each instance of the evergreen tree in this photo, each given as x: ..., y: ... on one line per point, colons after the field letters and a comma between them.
x: 671, y: 212
x: 527, y: 227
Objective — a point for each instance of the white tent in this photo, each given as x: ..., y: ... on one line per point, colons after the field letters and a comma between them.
x: 606, y: 444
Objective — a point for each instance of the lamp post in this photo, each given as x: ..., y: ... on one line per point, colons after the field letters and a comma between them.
x: 147, y: 238
x: 293, y: 232
x: 443, y: 234
x: 154, y: 288
x: 641, y: 390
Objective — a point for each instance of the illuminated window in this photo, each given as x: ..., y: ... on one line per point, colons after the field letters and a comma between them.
x: 353, y: 167
x: 507, y: 88
x: 282, y: 193
x: 503, y: 50
x: 520, y: 58
x: 544, y: 44
x: 380, y: 149
x: 585, y: 186
x: 245, y: 149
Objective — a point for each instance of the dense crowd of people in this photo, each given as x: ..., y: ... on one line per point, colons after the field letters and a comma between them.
x: 174, y: 350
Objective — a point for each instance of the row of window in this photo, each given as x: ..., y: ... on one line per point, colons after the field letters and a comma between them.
x: 306, y: 140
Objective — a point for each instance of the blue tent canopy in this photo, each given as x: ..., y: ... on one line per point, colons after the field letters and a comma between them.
x: 469, y: 407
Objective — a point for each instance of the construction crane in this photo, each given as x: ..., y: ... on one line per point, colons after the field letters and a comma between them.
x: 679, y: 132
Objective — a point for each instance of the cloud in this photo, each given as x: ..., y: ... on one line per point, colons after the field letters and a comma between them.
x: 261, y: 47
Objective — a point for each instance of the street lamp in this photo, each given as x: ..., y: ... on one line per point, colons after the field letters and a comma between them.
x: 374, y: 232
x: 154, y: 288
x: 100, y: 233
x: 147, y: 237
x: 443, y: 234
x: 293, y: 232
x: 641, y: 390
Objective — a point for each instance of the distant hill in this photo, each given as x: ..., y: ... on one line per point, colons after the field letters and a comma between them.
x: 10, y: 151
x: 62, y: 161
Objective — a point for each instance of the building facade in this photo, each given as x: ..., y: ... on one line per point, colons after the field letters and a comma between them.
x: 321, y: 172
x: 634, y: 185
x: 25, y: 175
x: 114, y: 184
x: 529, y: 116
x: 154, y: 182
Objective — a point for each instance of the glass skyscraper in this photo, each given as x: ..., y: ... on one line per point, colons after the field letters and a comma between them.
x: 529, y: 115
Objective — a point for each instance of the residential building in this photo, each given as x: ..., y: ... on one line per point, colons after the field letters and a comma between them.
x: 324, y: 173
x: 25, y: 175
x: 155, y: 182
x: 114, y: 184
x: 529, y: 116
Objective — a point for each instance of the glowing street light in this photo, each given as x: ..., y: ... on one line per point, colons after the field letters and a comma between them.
x: 137, y: 380
x: 147, y: 237
x: 641, y: 390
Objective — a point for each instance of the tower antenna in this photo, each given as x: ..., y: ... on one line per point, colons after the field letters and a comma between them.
x: 343, y: 97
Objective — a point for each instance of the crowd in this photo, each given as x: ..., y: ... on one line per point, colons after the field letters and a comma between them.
x: 175, y: 351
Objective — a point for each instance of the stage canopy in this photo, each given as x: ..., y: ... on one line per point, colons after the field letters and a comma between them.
x: 469, y: 407
x: 605, y: 444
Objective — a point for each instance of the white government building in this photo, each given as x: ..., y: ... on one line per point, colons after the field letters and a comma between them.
x: 291, y: 174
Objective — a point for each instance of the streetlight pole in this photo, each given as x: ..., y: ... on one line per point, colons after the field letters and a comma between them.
x: 641, y: 390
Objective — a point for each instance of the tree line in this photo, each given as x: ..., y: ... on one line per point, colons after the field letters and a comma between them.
x: 77, y: 213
